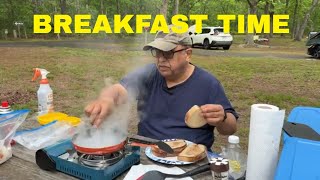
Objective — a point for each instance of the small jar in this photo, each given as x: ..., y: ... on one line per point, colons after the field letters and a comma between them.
x: 219, y: 168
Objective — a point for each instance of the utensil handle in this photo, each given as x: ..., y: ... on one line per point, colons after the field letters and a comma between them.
x: 197, y: 170
x: 142, y: 139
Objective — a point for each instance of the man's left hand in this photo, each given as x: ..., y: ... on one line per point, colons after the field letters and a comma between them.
x: 213, y: 114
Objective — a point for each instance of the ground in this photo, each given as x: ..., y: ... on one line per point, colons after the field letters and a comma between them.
x: 281, y: 75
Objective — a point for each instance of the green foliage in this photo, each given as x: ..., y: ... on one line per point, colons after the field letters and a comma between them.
x: 23, y: 10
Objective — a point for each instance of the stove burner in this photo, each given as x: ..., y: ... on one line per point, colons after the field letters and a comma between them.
x: 101, y: 161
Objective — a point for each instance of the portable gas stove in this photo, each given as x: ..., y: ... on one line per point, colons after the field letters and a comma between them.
x: 63, y: 157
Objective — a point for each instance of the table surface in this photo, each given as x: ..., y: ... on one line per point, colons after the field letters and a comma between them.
x: 22, y: 166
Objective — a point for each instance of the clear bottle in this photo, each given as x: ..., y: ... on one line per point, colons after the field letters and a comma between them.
x: 237, y: 159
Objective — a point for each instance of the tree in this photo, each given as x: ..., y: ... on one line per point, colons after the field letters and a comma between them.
x: 300, y: 30
x: 176, y: 7
x: 252, y: 10
x: 295, y: 12
x: 164, y: 8
x: 63, y: 6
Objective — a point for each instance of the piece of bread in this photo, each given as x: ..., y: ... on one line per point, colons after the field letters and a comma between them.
x: 177, y: 146
x: 193, y: 153
x: 194, y: 118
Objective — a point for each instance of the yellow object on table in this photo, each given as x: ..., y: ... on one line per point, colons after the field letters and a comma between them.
x: 52, y: 116
x: 72, y: 119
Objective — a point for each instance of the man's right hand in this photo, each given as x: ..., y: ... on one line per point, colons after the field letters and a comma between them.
x: 98, y: 110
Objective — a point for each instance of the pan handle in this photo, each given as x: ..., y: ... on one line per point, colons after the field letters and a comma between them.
x: 142, y: 140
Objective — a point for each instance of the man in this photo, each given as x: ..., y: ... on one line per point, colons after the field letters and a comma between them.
x: 166, y: 90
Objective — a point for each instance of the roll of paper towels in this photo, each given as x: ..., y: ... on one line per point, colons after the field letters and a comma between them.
x: 266, y: 123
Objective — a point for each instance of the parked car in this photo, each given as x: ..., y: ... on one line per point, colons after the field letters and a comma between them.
x: 314, y: 44
x: 211, y: 37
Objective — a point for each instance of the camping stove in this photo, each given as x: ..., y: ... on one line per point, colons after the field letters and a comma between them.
x: 63, y: 157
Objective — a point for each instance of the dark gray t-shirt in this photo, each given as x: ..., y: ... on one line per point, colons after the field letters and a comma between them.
x: 162, y: 110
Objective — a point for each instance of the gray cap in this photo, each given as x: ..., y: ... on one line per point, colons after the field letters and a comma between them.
x: 168, y: 41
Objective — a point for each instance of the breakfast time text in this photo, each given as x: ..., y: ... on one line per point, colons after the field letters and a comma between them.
x: 81, y: 23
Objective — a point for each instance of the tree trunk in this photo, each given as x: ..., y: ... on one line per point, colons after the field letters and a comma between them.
x: 176, y: 7
x: 101, y: 7
x: 271, y: 13
x: 35, y: 6
x: 252, y: 10
x: 267, y: 11
x: 294, y: 26
x: 63, y: 6
x: 78, y: 6
x: 164, y: 8
x: 63, y: 10
x: 118, y: 6
x: 286, y: 12
x: 271, y: 24
x: 87, y: 4
x: 304, y: 24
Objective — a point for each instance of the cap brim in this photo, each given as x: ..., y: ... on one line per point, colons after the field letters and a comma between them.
x: 162, y: 45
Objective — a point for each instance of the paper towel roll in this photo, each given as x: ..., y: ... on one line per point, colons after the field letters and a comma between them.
x: 266, y: 123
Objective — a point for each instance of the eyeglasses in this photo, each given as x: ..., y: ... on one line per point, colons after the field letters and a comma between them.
x: 166, y: 54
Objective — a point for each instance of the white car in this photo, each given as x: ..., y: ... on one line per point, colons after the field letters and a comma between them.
x: 211, y: 37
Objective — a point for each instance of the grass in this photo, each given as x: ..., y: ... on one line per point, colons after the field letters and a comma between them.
x: 77, y: 75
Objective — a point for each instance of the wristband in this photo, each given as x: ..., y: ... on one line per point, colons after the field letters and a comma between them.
x: 225, y: 116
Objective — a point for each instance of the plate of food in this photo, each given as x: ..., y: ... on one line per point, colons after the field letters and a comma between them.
x: 185, y: 152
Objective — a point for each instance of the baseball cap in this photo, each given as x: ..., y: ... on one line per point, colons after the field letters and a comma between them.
x: 168, y: 41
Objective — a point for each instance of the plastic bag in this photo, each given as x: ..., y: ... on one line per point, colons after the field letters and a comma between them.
x: 9, y: 123
x: 44, y: 136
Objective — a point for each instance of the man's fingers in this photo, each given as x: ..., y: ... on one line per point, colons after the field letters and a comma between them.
x: 97, y: 122
x: 88, y: 109
x: 211, y: 115
x: 103, y: 112
x: 213, y: 121
x: 95, y: 113
x: 211, y: 108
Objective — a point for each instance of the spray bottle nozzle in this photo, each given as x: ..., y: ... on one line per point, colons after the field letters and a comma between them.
x: 36, y: 74
x: 40, y: 72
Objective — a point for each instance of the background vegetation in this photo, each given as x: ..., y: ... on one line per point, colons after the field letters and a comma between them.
x: 304, y: 14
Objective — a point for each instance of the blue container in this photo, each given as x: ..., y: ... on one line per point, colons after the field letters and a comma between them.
x: 300, y: 158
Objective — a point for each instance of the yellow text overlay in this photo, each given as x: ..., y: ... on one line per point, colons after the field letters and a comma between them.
x: 43, y: 23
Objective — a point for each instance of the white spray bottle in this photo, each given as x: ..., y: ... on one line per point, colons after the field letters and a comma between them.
x: 44, y: 93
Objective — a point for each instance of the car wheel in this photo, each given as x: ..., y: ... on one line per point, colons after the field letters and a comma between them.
x: 316, y: 53
x: 226, y: 47
x: 206, y: 44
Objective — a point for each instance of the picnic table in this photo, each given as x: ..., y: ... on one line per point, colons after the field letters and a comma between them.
x: 23, y: 166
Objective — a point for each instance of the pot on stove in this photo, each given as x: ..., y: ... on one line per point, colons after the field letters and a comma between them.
x: 111, y: 136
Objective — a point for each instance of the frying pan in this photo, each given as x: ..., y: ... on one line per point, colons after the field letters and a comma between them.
x: 135, y: 140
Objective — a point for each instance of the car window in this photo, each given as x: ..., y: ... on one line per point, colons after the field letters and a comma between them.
x: 218, y: 30
x: 205, y: 31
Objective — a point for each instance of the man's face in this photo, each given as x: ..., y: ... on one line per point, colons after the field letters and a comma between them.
x: 172, y: 63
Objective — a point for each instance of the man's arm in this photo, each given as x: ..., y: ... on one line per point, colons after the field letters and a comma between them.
x: 229, y: 126
x: 103, y: 106
x: 117, y: 93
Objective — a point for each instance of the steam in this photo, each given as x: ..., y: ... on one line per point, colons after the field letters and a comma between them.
x: 112, y: 131
x: 114, y: 128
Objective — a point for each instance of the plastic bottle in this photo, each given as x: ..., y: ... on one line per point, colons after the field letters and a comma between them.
x: 44, y: 93
x: 237, y: 159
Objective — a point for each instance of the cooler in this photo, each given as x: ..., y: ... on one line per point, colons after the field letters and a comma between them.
x: 300, y: 158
